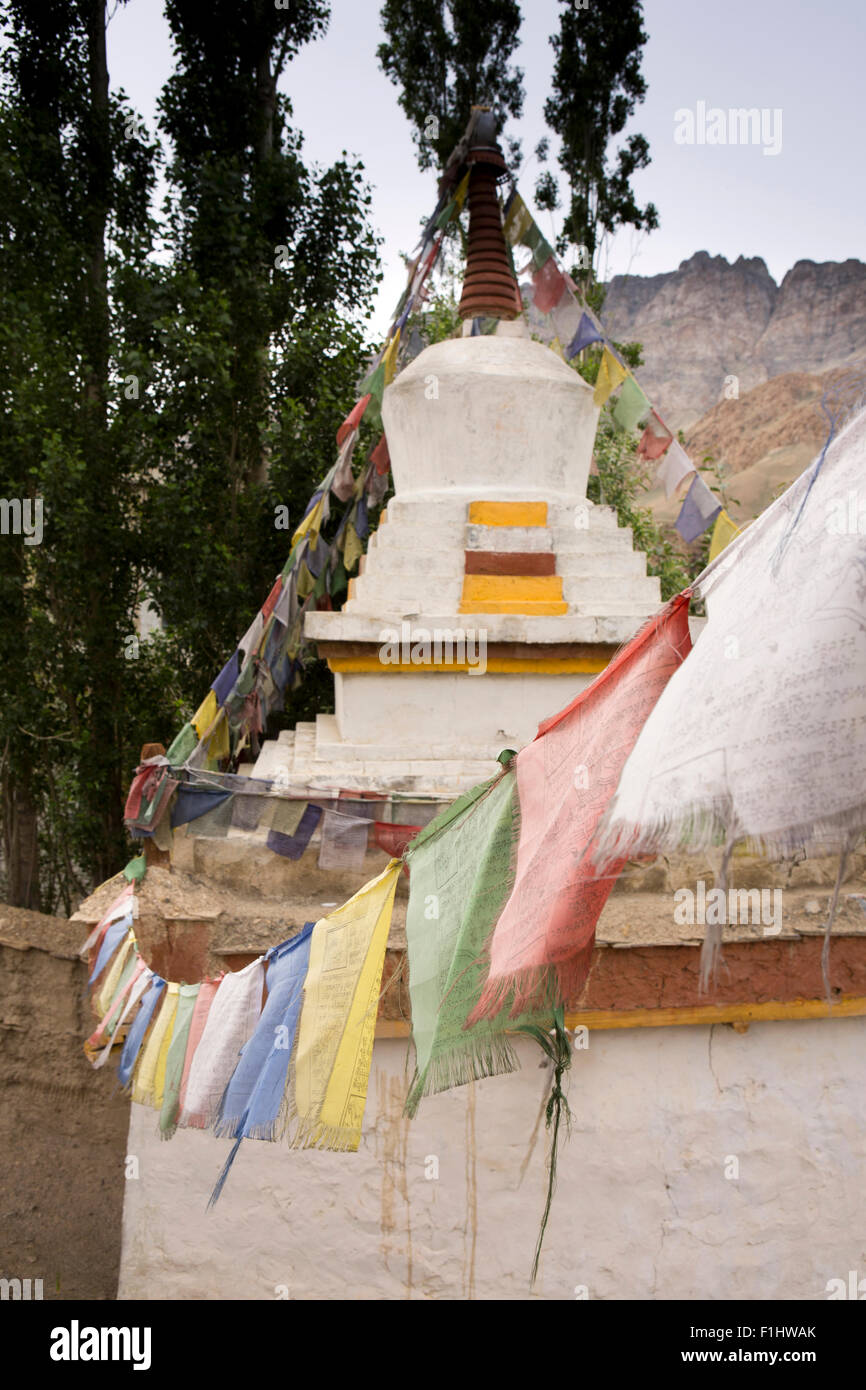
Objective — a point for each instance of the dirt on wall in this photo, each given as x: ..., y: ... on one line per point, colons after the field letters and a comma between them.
x: 63, y: 1126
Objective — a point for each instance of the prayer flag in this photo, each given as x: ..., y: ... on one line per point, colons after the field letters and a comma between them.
x: 586, y: 335
x: 344, y: 479
x: 251, y: 1104
x: 203, y: 1002
x: 205, y: 715
x: 724, y: 532
x: 548, y: 286
x: 230, y: 1023
x: 380, y: 456
x: 655, y: 439
x: 392, y: 838
x: 335, y: 1045
x: 459, y: 879
x: 542, y: 942
x: 756, y: 738
x: 224, y: 683
x: 293, y: 846
x: 610, y: 373
x: 675, y: 466
x: 168, y: 1114
x: 389, y: 361
x: 353, y: 419
x: 518, y: 220
x: 149, y: 1079
x: 700, y: 507
x: 194, y: 801
x: 344, y: 841
x: 284, y: 815
x: 316, y: 513
x: 632, y: 405
x: 134, y: 1038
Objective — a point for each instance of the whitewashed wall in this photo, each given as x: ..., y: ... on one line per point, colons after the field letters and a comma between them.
x: 643, y: 1208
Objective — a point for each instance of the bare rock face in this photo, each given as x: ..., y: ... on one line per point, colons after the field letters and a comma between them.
x: 819, y: 319
x: 709, y: 321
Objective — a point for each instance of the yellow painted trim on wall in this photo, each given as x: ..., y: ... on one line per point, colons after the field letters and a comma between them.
x: 527, y: 607
x: 539, y: 588
x: 849, y: 1006
x: 508, y: 513
x: 513, y: 593
x: 351, y: 590
x: 512, y: 666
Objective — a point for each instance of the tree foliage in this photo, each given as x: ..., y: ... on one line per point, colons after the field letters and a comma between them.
x: 166, y: 380
x: 447, y: 56
x: 597, y: 84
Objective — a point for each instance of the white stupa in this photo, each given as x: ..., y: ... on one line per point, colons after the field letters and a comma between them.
x: 493, y: 590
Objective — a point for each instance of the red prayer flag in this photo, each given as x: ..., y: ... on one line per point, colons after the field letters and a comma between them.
x: 270, y: 602
x: 542, y: 943
x: 548, y: 286
x: 655, y: 440
x: 381, y: 457
x: 393, y: 839
x: 353, y: 419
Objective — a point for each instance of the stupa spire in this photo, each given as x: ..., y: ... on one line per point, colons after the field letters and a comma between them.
x: 489, y: 287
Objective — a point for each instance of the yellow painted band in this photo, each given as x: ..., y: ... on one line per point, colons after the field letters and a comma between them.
x: 537, y: 588
x: 503, y: 665
x: 528, y: 607
x: 850, y: 1006
x: 508, y: 513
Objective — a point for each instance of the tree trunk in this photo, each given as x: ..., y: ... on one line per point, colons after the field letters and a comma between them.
x: 20, y: 844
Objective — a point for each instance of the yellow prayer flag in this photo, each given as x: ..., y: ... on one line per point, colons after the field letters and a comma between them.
x: 610, y: 374
x: 723, y: 533
x: 338, y: 1018
x: 353, y: 549
x: 389, y: 361
x: 171, y: 1004
x: 518, y: 220
x: 108, y: 989
x: 311, y: 522
x: 556, y: 346
x: 144, y: 1080
x: 205, y: 715
x: 219, y: 745
x: 462, y: 190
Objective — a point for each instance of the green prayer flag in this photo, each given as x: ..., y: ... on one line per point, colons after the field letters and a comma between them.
x: 445, y: 215
x: 374, y: 385
x: 632, y: 405
x: 175, y: 1060
x: 185, y: 743
x: 284, y: 815
x: 541, y: 253
x: 460, y: 878
x: 135, y: 869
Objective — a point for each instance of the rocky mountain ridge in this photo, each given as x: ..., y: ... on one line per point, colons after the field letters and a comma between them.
x: 712, y: 327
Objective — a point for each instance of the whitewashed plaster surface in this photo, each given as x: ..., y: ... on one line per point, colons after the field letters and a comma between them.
x: 643, y: 1208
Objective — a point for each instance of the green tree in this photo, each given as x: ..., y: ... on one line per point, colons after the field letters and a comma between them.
x: 76, y: 180
x: 597, y: 84
x: 447, y: 56
x: 259, y: 324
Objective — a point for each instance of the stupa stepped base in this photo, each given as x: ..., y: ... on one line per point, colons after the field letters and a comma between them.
x: 443, y: 555
x: 315, y: 758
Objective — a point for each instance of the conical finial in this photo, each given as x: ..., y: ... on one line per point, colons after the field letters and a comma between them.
x: 489, y: 287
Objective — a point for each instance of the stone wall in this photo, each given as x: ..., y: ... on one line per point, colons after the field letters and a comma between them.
x: 63, y: 1126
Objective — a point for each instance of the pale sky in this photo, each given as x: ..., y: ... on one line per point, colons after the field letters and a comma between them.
x: 805, y: 61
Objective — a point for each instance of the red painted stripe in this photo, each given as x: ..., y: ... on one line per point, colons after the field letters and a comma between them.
x: 510, y: 562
